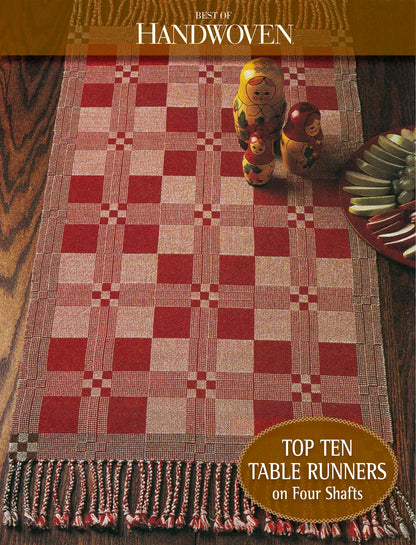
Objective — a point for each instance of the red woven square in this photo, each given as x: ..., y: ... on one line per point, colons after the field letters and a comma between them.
x: 332, y: 243
x: 180, y: 163
x: 131, y: 354
x: 66, y: 354
x: 59, y: 414
x: 345, y: 411
x: 97, y: 95
x: 227, y: 120
x: 182, y: 120
x: 231, y: 164
x: 86, y: 189
x: 238, y: 270
x: 126, y: 415
x: 175, y: 268
x: 172, y: 322
x: 272, y: 357
x: 338, y: 359
x: 269, y: 412
x: 151, y: 94
x: 144, y: 189
x: 324, y: 194
x: 159, y: 60
x: 271, y: 241
x: 101, y: 60
x: 273, y: 194
x: 235, y: 323
x: 318, y: 62
x: 324, y: 98
x: 80, y: 239
x: 140, y: 239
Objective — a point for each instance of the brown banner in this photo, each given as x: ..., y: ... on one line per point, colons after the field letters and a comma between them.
x: 193, y: 27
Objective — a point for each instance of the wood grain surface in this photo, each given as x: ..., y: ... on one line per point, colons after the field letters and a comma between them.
x: 29, y: 91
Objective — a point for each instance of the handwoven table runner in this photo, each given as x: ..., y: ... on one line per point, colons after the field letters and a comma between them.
x: 175, y: 310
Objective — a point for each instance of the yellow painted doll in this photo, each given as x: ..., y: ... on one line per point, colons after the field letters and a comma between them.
x: 260, y: 102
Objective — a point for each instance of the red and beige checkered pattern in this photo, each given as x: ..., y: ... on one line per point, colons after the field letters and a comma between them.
x: 175, y: 310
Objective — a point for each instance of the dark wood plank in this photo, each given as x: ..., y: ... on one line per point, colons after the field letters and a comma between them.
x: 29, y: 92
x: 29, y: 89
x: 386, y: 87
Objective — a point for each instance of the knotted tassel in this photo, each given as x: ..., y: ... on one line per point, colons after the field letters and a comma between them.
x: 36, y: 495
x: 42, y: 523
x: 194, y: 524
x: 238, y: 524
x: 57, y: 519
x: 108, y: 521
x: 204, y: 525
x: 399, y: 519
x: 78, y: 522
x: 154, y: 520
x: 61, y: 520
x: 91, y: 519
x: 101, y: 494
x: 228, y: 523
x: 366, y: 530
x: 249, y: 511
x: 146, y: 481
x: 407, y: 506
x: 325, y: 531
x: 15, y: 495
x: 181, y: 520
x: 218, y: 526
x: 280, y: 529
x: 388, y: 526
x: 302, y: 528
x: 288, y: 528
x: 7, y: 515
x: 354, y: 531
x: 169, y: 487
x: 308, y: 529
x: 27, y: 515
x: 269, y: 524
x: 378, y: 531
x: 336, y: 531
x: 126, y: 492
x: 170, y: 521
x: 116, y: 493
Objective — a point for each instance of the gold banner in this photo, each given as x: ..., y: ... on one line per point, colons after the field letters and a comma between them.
x: 195, y: 27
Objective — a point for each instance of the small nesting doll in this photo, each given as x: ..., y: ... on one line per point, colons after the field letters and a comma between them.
x: 259, y: 160
x: 260, y: 102
x: 301, y: 141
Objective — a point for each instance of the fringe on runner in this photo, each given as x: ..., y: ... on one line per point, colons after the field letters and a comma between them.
x: 303, y: 14
x: 148, y: 494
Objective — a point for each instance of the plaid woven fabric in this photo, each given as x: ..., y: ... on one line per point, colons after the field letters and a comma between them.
x: 175, y: 310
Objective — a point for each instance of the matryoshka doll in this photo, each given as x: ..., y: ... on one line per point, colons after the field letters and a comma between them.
x: 259, y: 160
x: 260, y: 102
x: 301, y: 141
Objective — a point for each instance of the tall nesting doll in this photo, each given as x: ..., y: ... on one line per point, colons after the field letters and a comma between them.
x: 301, y: 141
x: 259, y: 160
x: 260, y: 102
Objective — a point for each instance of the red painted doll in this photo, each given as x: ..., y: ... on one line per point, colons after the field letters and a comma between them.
x: 259, y: 160
x: 301, y: 141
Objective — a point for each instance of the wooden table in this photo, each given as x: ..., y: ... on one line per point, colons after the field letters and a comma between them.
x: 29, y: 92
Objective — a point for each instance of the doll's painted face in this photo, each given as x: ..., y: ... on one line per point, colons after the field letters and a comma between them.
x: 257, y: 146
x: 313, y: 125
x: 260, y: 90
